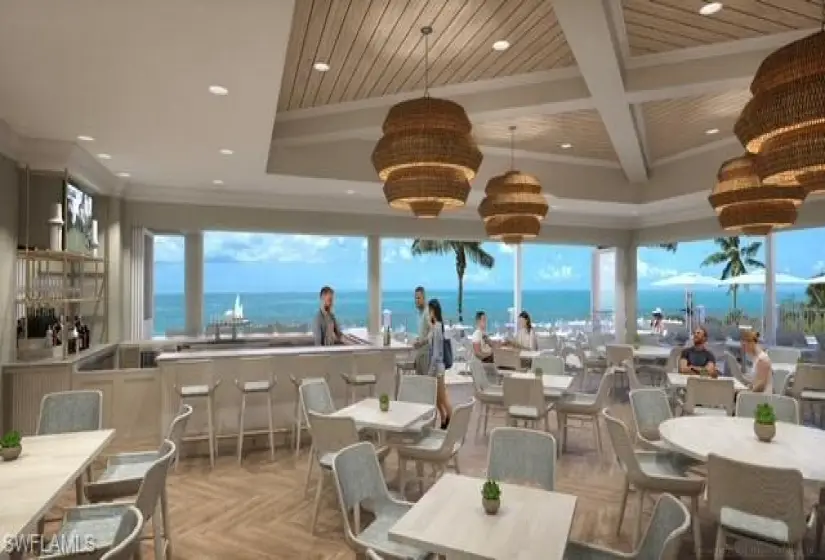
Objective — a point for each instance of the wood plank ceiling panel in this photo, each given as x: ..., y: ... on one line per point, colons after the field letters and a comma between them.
x: 664, y: 25
x: 376, y: 49
x: 584, y: 130
x: 676, y: 125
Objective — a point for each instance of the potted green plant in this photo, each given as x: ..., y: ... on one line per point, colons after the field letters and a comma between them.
x: 10, y: 447
x: 384, y: 402
x: 637, y: 341
x: 764, y: 422
x: 491, y: 497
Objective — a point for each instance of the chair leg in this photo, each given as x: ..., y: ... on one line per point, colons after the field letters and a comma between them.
x: 240, y: 427
x: 479, y: 414
x: 598, y: 435
x: 419, y: 471
x: 317, y: 506
x: 623, y: 507
x: 310, y: 464
x: 697, y: 530
x: 719, y: 547
x: 486, y: 418
x: 455, y: 464
x: 271, y: 426
x: 211, y: 431
x: 156, y: 534
x: 562, y: 418
x: 402, y: 477
x: 298, y: 424
x: 637, y: 529
x: 78, y: 490
x: 164, y: 514
x: 547, y: 421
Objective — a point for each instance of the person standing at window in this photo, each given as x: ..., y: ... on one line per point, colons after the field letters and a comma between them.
x: 422, y: 342
x: 437, y: 368
x: 325, y: 330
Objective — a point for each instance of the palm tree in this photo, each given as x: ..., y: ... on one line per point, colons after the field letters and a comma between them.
x: 464, y: 251
x: 737, y: 259
x: 816, y: 293
x: 669, y: 247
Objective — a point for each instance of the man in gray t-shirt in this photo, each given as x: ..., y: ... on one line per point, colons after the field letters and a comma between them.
x: 325, y: 331
x: 422, y: 342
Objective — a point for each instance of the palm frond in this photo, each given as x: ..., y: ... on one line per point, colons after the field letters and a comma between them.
x: 714, y: 259
x: 751, y: 249
x: 727, y: 272
x: 477, y: 255
x: 753, y: 263
x: 430, y: 247
x: 669, y: 247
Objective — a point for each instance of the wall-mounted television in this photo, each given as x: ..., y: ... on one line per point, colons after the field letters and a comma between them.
x: 78, y: 238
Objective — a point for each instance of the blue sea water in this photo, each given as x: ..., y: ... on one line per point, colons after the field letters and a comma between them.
x: 351, y: 307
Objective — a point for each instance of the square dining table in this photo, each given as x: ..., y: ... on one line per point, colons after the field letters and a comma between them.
x: 401, y: 415
x: 554, y: 385
x: 449, y: 520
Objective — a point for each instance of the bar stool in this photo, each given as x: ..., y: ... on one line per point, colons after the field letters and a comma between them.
x: 306, y: 367
x: 204, y: 388
x: 261, y: 371
x: 365, y: 368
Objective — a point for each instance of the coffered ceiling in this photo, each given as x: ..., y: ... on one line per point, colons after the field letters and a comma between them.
x: 375, y: 48
x: 655, y: 26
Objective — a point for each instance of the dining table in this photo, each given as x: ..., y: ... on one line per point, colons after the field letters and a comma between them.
x: 554, y: 386
x: 399, y: 417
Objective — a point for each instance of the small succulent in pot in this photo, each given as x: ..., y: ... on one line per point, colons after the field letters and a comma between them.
x: 491, y: 497
x: 10, y: 446
x: 764, y: 422
x: 384, y: 402
x: 637, y: 341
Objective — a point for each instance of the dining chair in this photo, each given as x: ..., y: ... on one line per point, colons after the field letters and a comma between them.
x: 734, y: 369
x: 524, y: 401
x: 629, y: 369
x: 757, y: 502
x: 371, y: 555
x: 809, y: 387
x: 507, y: 359
x: 330, y: 434
x: 486, y: 394
x: 99, y: 523
x: 546, y: 364
x: 618, y: 353
x: 653, y: 472
x: 782, y: 379
x: 782, y: 355
x: 522, y: 456
x: 785, y: 408
x: 419, y: 389
x: 669, y: 522
x: 584, y: 406
x: 705, y: 396
x: 358, y: 479
x: 126, y: 545
x: 303, y: 368
x: 672, y: 364
x: 437, y: 448
x: 650, y: 407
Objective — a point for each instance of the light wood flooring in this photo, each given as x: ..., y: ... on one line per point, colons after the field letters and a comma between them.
x: 258, y: 511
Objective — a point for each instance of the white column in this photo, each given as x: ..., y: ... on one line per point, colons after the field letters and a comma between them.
x: 148, y: 283
x: 626, y: 286
x: 113, y: 245
x: 595, y: 289
x: 136, y: 288
x: 193, y: 282
x: 518, y: 266
x: 374, y: 284
x: 770, y: 312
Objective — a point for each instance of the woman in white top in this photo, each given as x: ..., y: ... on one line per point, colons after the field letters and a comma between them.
x: 525, y: 335
x: 761, y: 377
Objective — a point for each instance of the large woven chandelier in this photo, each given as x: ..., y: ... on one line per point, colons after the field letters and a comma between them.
x: 513, y: 206
x: 747, y: 206
x: 426, y: 156
x: 784, y: 122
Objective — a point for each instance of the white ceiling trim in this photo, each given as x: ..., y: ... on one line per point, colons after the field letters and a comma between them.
x: 552, y: 158
x: 710, y: 147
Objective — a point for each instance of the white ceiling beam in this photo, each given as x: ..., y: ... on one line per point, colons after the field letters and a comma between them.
x: 589, y: 33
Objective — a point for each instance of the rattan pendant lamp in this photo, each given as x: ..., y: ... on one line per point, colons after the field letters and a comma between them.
x: 747, y: 206
x: 784, y: 122
x: 513, y: 206
x: 426, y: 156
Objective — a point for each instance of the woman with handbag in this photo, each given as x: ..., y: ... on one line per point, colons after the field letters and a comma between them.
x: 438, y: 353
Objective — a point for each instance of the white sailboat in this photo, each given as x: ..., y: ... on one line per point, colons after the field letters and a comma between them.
x: 236, y: 313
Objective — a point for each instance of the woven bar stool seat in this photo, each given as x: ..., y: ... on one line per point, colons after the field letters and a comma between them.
x: 258, y: 368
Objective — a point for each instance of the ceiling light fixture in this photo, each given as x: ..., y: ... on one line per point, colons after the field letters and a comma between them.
x: 124, y: 174
x: 217, y: 182
x: 712, y: 131
x: 710, y: 8
x: 226, y: 152
x: 104, y: 156
x: 501, y: 45
x: 84, y: 138
x: 321, y: 66
x: 566, y: 146
x: 427, y: 156
x: 218, y: 90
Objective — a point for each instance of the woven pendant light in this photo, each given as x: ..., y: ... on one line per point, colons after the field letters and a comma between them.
x: 426, y: 156
x: 747, y: 206
x: 513, y: 206
x: 784, y: 122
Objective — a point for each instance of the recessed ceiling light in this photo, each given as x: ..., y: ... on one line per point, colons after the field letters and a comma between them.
x: 710, y: 8
x: 218, y: 90
x: 712, y: 131
x: 84, y: 138
x: 566, y: 146
x: 123, y: 174
x: 226, y: 152
x: 321, y: 66
x: 104, y: 156
x: 217, y: 182
x: 501, y: 45
x: 350, y: 191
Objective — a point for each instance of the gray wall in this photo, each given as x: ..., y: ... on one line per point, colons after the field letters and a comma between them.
x: 8, y: 257
x: 36, y: 205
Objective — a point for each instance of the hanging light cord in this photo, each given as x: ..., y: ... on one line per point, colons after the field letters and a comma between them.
x: 822, y: 23
x: 426, y: 32
x: 512, y: 148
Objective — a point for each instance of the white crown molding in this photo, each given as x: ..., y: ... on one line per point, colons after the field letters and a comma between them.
x: 710, y: 147
x: 552, y: 158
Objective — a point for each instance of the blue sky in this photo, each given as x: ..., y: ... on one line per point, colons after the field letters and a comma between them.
x: 250, y: 262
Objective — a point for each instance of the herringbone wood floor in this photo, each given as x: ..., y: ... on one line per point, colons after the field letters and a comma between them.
x: 258, y: 511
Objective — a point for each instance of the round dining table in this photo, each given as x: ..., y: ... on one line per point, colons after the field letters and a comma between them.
x: 794, y: 447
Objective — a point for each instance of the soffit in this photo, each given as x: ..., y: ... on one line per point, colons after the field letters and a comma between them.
x: 583, y: 130
x: 676, y: 125
x: 655, y: 26
x: 376, y: 49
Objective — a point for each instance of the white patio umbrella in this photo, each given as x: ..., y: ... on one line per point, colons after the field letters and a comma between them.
x: 686, y: 280
x: 758, y: 279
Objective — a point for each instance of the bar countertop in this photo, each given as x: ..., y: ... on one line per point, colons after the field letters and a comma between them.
x: 360, y: 338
